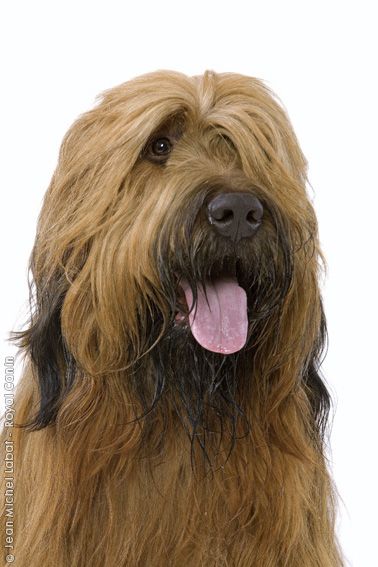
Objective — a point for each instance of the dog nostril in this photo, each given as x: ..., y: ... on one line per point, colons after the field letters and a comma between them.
x: 254, y: 216
x: 223, y: 215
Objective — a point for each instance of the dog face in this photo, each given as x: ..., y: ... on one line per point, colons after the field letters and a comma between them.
x: 177, y: 244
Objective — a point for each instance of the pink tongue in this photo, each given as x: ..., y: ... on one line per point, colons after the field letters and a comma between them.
x: 220, y: 323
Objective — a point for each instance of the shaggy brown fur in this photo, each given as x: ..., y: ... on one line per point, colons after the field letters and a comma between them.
x: 138, y: 447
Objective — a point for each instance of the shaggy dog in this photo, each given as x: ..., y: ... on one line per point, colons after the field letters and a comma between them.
x: 171, y: 411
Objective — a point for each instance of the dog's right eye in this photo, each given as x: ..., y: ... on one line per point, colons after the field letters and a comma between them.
x: 159, y: 149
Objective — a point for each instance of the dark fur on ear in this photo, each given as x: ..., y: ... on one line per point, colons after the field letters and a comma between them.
x: 49, y: 355
x: 317, y: 391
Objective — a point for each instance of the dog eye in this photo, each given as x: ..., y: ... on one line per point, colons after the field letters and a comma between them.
x: 158, y: 149
x: 161, y: 147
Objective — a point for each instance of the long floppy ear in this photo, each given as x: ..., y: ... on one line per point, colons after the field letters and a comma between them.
x: 317, y: 391
x: 53, y: 365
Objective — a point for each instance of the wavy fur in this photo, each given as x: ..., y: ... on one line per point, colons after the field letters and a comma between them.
x: 135, y: 446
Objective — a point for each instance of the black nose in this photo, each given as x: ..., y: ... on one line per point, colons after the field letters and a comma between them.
x: 235, y: 215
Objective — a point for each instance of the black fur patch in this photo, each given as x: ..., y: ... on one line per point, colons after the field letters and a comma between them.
x: 318, y: 394
x: 48, y: 353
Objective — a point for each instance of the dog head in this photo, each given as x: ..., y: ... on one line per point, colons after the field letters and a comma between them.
x: 177, y: 244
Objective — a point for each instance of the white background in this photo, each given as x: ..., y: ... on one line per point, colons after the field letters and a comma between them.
x: 319, y: 57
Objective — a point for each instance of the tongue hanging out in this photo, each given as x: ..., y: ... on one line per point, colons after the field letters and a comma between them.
x: 219, y: 323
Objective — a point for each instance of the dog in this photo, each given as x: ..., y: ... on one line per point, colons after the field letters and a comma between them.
x: 171, y: 411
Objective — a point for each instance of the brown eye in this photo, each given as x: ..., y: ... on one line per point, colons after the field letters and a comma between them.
x: 158, y: 149
x: 161, y: 147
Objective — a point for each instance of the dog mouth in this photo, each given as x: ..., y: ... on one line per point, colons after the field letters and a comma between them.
x: 215, y: 311
x: 220, y: 295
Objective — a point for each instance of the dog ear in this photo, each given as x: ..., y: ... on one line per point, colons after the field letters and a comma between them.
x: 317, y: 391
x: 53, y: 365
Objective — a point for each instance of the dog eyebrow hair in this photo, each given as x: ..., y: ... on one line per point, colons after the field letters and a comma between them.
x: 171, y: 128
